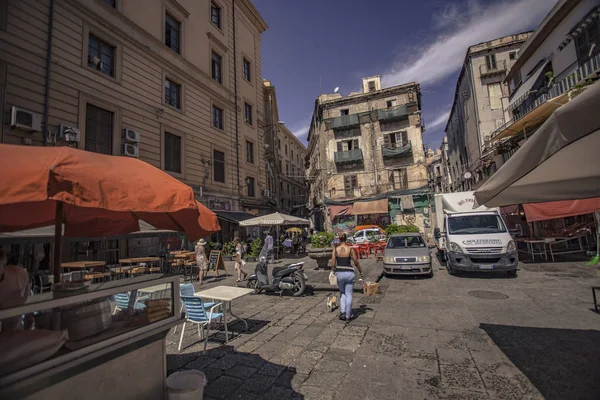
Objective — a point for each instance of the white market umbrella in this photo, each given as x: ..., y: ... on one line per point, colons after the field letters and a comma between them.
x: 274, y: 219
x: 561, y: 161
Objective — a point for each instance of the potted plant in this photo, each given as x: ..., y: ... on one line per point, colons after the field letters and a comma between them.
x: 228, y: 250
x: 320, y: 248
x: 255, y: 248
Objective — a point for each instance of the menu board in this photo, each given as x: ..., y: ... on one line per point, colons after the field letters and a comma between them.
x: 216, y: 263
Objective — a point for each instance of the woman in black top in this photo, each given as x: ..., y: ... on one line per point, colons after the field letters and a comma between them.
x: 341, y: 264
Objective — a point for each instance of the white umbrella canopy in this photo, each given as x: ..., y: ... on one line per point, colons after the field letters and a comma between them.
x: 274, y: 219
x: 561, y: 161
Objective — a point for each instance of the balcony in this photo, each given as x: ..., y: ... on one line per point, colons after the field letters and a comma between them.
x: 347, y: 157
x: 394, y: 114
x: 489, y: 70
x: 343, y: 122
x: 396, y: 150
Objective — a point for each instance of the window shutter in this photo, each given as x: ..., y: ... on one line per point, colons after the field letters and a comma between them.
x: 404, y: 175
x: 391, y: 177
x: 404, y: 135
x: 339, y: 146
x: 355, y: 144
x: 386, y: 141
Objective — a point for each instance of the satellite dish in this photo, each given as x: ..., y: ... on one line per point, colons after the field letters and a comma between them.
x: 336, y: 89
x: 468, y: 175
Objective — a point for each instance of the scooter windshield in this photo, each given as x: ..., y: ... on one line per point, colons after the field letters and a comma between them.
x: 262, y: 257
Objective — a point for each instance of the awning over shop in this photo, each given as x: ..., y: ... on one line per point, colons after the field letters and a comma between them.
x: 234, y: 216
x: 370, y: 207
x: 523, y: 91
x: 560, y: 209
x: 335, y: 211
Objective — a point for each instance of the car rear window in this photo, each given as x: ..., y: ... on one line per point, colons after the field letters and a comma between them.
x: 399, y: 242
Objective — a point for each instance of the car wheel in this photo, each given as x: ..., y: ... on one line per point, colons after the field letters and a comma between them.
x: 451, y: 271
x: 430, y: 274
x: 512, y: 273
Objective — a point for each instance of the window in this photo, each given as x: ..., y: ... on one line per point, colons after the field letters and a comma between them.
x: 588, y: 41
x: 512, y: 55
x: 98, y: 130
x: 280, y: 169
x: 172, y: 33
x: 218, y: 166
x: 495, y: 94
x: 399, y: 179
x: 347, y: 145
x: 390, y: 103
x: 112, y: 3
x: 215, y: 15
x: 172, y: 153
x: 280, y: 187
x: 250, y: 152
x: 248, y: 113
x: 292, y: 155
x: 285, y: 147
x: 371, y: 86
x: 287, y: 168
x: 395, y: 140
x: 216, y: 66
x: 217, y: 117
x: 466, y: 109
x: 345, y: 111
x: 250, y: 182
x: 288, y: 188
x: 101, y: 56
x: 246, y: 70
x: 490, y: 62
x: 172, y: 93
x: 3, y: 14
x: 350, y: 183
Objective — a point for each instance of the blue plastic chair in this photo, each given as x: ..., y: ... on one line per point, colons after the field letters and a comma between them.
x: 187, y: 289
x: 195, y: 313
x: 122, y: 300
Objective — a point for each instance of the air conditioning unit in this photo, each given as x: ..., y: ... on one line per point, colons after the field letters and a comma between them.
x: 130, y: 136
x: 25, y: 119
x: 68, y: 134
x: 266, y: 193
x: 130, y: 150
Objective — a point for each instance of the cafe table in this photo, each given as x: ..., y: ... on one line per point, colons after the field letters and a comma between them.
x: 82, y: 264
x: 225, y: 294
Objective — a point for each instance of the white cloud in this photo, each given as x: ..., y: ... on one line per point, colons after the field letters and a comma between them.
x: 476, y: 24
x: 440, y: 120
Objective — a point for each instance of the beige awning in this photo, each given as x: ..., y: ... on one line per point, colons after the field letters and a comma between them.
x: 533, y: 118
x: 370, y: 207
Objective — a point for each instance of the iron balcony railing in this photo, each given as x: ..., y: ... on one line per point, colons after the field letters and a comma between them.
x: 499, y: 68
x: 396, y: 150
x: 350, y: 156
x: 343, y: 122
x: 393, y: 114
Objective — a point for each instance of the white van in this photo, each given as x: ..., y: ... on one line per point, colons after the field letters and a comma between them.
x: 362, y: 236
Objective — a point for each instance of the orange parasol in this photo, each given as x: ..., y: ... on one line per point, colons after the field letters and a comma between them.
x: 93, y: 195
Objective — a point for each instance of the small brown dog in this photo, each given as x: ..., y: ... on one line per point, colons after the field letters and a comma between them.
x: 331, y: 302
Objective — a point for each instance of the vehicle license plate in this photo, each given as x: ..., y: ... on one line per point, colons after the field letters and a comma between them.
x: 486, y: 267
x: 406, y: 267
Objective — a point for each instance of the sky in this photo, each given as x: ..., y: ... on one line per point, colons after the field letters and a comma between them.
x: 314, y: 46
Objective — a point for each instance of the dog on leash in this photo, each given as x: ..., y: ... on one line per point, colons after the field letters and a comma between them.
x: 331, y: 302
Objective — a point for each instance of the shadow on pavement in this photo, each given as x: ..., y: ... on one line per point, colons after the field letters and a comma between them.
x: 561, y: 363
x: 233, y: 375
x: 483, y: 275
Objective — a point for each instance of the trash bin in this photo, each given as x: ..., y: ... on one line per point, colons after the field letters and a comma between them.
x: 186, y: 385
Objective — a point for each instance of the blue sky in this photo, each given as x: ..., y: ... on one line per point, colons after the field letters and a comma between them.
x: 337, y: 42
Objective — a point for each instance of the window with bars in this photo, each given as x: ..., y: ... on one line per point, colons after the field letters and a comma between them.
x: 246, y: 70
x: 101, y: 56
x: 587, y: 43
x: 399, y: 179
x: 250, y: 152
x: 98, y: 130
x: 216, y: 67
x: 250, y: 182
x: 218, y: 166
x: 350, y: 183
x: 395, y: 140
x: 215, y: 14
x: 172, y: 153
x: 172, y: 33
x: 172, y: 93
x: 217, y: 117
x: 248, y: 113
x: 347, y: 145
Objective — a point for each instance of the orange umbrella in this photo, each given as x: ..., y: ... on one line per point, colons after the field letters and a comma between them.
x: 93, y: 195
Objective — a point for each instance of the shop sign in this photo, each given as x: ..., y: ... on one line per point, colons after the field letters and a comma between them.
x: 219, y: 205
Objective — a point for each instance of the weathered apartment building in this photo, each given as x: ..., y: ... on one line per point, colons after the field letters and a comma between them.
x: 366, y: 159
x: 479, y: 107
x: 176, y: 83
x: 284, y: 153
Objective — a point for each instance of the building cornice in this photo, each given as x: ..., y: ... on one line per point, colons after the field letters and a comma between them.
x: 360, y: 98
x: 254, y: 15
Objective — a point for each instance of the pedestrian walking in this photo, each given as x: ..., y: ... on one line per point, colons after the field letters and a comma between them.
x: 239, y: 260
x: 201, y: 259
x: 269, y: 243
x: 341, y: 262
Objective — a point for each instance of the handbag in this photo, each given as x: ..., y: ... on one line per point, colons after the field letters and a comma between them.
x: 243, y: 263
x: 332, y: 279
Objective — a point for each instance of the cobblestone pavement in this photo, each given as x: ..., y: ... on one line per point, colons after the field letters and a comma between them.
x: 475, y: 336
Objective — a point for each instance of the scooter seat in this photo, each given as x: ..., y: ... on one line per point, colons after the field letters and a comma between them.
x: 277, y: 269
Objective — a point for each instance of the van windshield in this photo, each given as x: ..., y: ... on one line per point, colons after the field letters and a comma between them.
x: 474, y: 224
x: 398, y: 242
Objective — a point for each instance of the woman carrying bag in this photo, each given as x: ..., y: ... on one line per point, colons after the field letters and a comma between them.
x: 341, y: 258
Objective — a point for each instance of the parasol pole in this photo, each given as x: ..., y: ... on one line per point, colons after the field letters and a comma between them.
x: 58, y: 218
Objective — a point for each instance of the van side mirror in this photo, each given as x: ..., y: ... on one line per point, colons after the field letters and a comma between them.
x: 436, y: 233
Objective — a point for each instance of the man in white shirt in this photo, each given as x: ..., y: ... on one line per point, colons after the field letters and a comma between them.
x: 269, y: 243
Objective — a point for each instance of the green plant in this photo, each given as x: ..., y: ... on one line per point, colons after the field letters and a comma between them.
x: 255, y: 248
x: 372, y: 237
x: 393, y: 228
x: 213, y: 245
x: 228, y: 249
x: 321, y: 240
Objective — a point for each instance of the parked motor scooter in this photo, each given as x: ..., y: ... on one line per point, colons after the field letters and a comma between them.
x: 289, y: 277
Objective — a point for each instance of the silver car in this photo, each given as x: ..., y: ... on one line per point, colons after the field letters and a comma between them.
x: 407, y: 254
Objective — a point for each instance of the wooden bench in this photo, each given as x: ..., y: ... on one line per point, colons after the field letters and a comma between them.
x: 594, y: 288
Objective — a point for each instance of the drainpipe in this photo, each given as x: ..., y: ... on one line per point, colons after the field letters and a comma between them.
x: 48, y: 64
x: 237, y: 133
x: 3, y: 71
